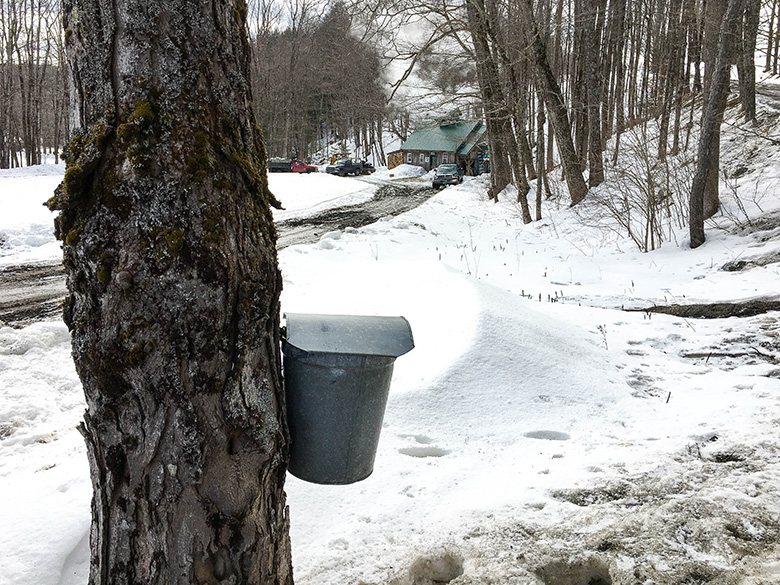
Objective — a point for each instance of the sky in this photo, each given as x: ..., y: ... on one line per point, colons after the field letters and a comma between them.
x: 554, y: 441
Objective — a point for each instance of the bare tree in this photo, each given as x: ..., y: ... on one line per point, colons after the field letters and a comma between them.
x: 592, y: 12
x: 316, y: 82
x: 32, y: 99
x: 703, y: 200
x: 746, y: 59
x: 10, y: 34
x: 173, y: 301
x: 771, y: 38
x: 671, y: 73
x: 497, y: 116
x: 553, y: 99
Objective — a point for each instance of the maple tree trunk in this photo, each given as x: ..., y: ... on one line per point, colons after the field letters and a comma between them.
x: 173, y: 295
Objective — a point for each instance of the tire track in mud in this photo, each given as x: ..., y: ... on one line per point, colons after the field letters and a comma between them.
x: 390, y: 199
x: 30, y: 293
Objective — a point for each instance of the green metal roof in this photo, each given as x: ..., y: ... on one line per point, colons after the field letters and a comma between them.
x: 474, y: 139
x: 459, y: 137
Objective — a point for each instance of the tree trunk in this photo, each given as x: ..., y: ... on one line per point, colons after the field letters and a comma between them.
x: 776, y: 49
x: 714, y: 11
x: 513, y: 102
x: 578, y: 101
x: 746, y: 59
x: 709, y: 142
x: 670, y: 73
x: 556, y: 57
x: 591, y: 49
x: 541, y: 173
x: 499, y: 130
x: 173, y: 302
x: 619, y: 97
x: 556, y: 110
x: 770, y: 38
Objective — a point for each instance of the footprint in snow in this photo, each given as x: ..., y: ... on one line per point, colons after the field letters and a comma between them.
x: 426, y: 451
x: 547, y: 435
x: 423, y: 448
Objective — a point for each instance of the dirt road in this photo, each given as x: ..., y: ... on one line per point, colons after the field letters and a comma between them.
x: 35, y: 292
x: 390, y: 199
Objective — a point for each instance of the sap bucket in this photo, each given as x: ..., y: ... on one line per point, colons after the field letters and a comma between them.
x: 337, y: 371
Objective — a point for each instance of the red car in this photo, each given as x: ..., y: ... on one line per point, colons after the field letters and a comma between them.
x: 283, y: 165
x: 299, y: 167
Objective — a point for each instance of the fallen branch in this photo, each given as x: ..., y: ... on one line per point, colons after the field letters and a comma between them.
x: 727, y: 354
x: 747, y: 308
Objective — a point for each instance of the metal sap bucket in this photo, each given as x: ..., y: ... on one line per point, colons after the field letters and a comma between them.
x: 337, y: 371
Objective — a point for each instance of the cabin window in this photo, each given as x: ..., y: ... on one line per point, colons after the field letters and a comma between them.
x: 445, y: 158
x: 422, y: 157
x: 409, y: 157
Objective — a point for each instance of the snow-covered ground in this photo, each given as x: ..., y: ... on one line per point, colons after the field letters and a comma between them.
x: 26, y: 229
x: 537, y: 434
x: 306, y: 194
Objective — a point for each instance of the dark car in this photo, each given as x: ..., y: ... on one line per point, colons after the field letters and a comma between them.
x: 346, y: 166
x: 284, y: 165
x: 279, y: 165
x: 447, y: 175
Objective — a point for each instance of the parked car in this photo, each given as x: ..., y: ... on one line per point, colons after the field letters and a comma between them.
x: 279, y: 165
x: 299, y: 167
x: 283, y: 165
x: 450, y: 174
x: 346, y: 166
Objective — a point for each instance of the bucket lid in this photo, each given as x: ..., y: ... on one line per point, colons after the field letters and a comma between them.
x: 349, y: 334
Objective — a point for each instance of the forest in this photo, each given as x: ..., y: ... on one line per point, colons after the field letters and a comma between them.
x: 563, y: 85
x: 314, y: 80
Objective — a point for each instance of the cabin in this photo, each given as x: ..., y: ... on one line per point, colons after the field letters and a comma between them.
x: 462, y: 142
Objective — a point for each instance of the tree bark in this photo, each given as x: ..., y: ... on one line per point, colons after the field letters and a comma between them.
x: 591, y: 49
x: 707, y: 166
x: 499, y: 130
x: 770, y: 38
x: 553, y: 99
x: 671, y: 73
x: 541, y: 173
x: 617, y: 29
x: 513, y: 125
x: 578, y: 90
x: 746, y: 59
x: 173, y: 296
x: 556, y: 58
x: 714, y: 12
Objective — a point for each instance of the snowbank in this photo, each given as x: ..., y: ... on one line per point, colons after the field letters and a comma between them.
x: 403, y: 171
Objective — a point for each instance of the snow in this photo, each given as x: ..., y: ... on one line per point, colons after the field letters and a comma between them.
x: 526, y: 440
x: 306, y: 194
x: 26, y: 233
x: 404, y: 171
